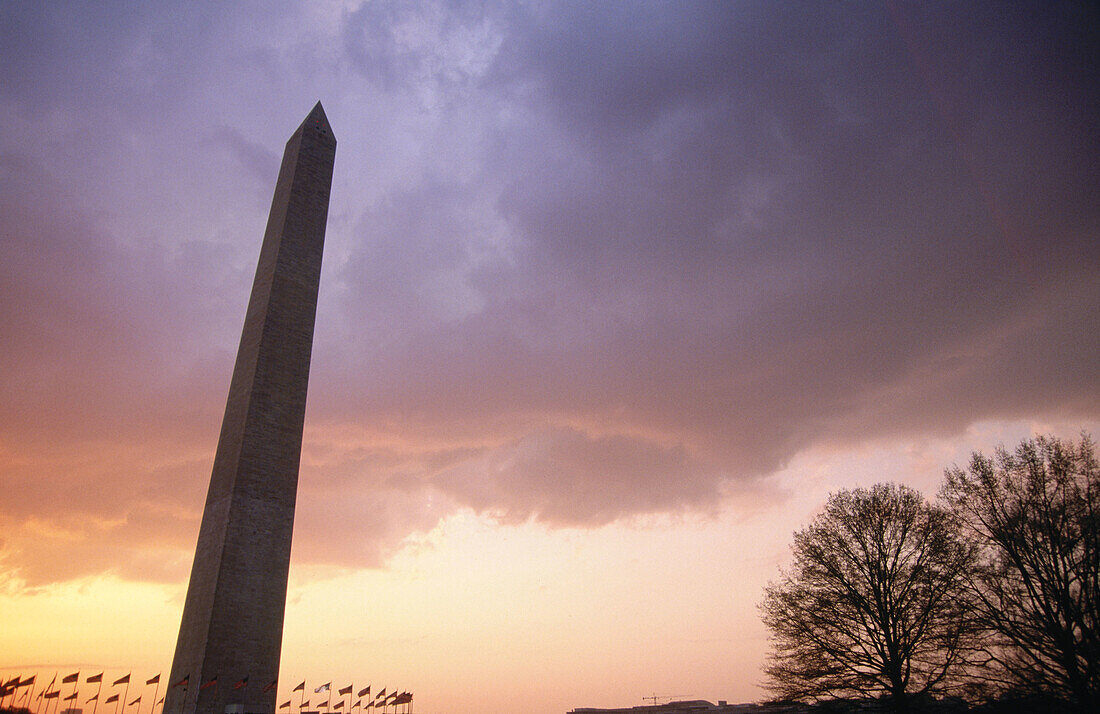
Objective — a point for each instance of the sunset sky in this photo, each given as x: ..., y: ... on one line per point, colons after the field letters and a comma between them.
x: 614, y: 294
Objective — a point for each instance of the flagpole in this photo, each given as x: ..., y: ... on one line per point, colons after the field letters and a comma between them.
x: 14, y: 689
x: 58, y: 697
x: 76, y: 684
x: 12, y: 692
x: 98, y: 692
x: 126, y: 693
x: 43, y: 693
x: 30, y: 694
x: 185, y: 683
x: 15, y: 692
x: 156, y: 691
x: 38, y: 704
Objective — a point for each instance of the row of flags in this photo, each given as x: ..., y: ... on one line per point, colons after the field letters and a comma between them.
x: 73, y: 678
x: 381, y: 699
x: 11, y: 687
x: 16, y: 683
x: 239, y: 684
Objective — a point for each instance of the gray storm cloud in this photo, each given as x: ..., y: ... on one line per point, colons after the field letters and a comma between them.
x: 584, y: 261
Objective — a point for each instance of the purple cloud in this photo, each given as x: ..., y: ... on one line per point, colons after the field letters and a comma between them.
x: 584, y: 261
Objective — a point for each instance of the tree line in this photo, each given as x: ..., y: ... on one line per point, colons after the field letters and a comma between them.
x: 991, y: 593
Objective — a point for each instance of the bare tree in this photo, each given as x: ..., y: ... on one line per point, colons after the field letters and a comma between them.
x: 874, y: 601
x: 1037, y: 513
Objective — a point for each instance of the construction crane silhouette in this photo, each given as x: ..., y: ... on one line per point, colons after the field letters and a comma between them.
x: 653, y: 698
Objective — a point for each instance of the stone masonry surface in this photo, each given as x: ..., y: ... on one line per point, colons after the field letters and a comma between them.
x: 232, y: 625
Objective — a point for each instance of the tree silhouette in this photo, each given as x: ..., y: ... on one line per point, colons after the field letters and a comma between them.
x: 874, y: 603
x: 1037, y: 513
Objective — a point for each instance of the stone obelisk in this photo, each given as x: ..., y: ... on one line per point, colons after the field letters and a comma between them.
x: 227, y: 654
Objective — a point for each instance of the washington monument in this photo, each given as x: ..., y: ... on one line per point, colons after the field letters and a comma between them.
x: 227, y: 654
